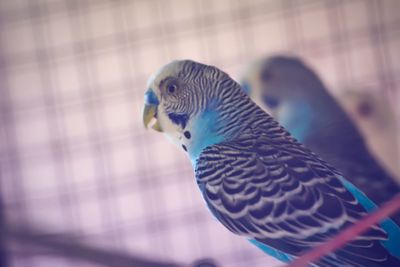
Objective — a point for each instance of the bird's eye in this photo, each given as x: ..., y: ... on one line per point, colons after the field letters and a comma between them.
x: 265, y: 76
x: 272, y: 102
x: 171, y: 88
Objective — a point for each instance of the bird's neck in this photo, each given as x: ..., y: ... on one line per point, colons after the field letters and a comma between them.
x: 204, y: 130
x: 306, y: 121
x: 219, y: 122
x: 297, y: 117
x: 322, y: 127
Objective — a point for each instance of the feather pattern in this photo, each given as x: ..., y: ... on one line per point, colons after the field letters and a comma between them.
x: 266, y: 186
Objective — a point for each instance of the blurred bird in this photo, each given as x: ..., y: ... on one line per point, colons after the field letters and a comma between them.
x: 256, y: 179
x: 294, y: 95
x: 377, y: 121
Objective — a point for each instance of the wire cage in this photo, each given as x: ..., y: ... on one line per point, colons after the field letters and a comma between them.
x: 76, y: 163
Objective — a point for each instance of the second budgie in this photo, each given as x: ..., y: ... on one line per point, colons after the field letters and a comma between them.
x: 256, y: 179
x: 298, y: 100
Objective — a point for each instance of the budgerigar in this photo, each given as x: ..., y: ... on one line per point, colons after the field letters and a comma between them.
x: 295, y: 96
x: 256, y: 179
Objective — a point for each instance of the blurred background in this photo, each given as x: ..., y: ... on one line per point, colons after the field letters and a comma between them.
x: 79, y: 173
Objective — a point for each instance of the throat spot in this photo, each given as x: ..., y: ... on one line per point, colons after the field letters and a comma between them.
x: 187, y: 134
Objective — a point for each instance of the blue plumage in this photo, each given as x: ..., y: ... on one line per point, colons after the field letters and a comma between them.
x: 279, y: 255
x: 391, y: 228
x: 204, y: 132
x: 297, y: 119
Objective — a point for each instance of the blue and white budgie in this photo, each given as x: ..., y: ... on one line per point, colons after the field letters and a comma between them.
x: 294, y: 95
x: 256, y: 179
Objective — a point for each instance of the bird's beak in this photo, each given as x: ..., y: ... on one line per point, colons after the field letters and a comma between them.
x: 149, y: 115
x: 150, y: 111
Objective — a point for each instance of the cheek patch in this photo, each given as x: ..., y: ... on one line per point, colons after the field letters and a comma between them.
x: 179, y: 119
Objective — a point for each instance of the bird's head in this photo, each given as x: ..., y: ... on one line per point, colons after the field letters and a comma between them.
x: 281, y: 81
x: 184, y: 99
x: 289, y: 90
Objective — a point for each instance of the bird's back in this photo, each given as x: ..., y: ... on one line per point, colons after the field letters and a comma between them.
x: 268, y: 187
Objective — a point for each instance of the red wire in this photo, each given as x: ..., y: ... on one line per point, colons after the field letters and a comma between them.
x: 348, y: 234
